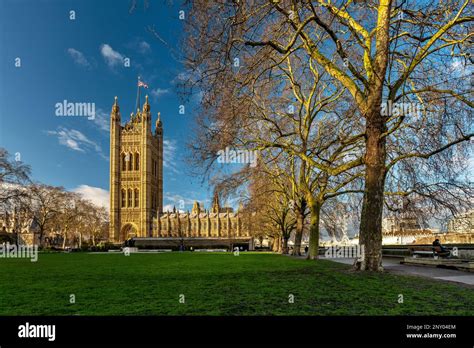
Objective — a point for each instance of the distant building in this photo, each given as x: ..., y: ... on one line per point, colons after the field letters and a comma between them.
x: 404, y: 230
x: 460, y: 230
x: 20, y: 224
x: 462, y: 223
x: 394, y: 224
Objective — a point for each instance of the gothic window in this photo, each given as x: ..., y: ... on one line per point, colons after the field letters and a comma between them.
x: 124, y: 162
x: 215, y: 225
x: 123, y: 194
x: 130, y: 162
x: 129, y: 198
x: 137, y: 198
x: 225, y: 225
x: 137, y: 161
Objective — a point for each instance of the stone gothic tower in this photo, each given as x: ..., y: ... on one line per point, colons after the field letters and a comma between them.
x: 136, y: 174
x: 216, y: 207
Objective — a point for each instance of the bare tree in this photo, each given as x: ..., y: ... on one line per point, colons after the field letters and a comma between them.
x: 380, y: 52
x: 14, y: 175
x: 278, y: 204
x: 46, y: 205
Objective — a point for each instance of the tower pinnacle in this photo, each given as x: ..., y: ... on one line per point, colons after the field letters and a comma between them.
x: 146, y: 106
x: 158, y: 121
x: 215, y: 203
x: 115, y: 107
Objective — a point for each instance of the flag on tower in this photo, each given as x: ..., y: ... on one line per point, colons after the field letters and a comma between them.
x: 142, y: 84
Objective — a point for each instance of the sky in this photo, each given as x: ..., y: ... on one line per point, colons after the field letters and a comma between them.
x: 78, y: 51
x: 56, y: 50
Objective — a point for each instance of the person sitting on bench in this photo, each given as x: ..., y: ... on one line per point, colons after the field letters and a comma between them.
x: 437, y: 243
x: 443, y: 250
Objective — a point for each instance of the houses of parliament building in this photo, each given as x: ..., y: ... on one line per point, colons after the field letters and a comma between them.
x: 136, y: 194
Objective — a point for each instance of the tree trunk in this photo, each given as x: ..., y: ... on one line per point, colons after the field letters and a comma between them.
x: 315, y: 210
x: 64, y: 239
x: 40, y: 237
x: 285, y: 245
x: 298, y: 233
x: 276, y: 244
x: 370, y: 233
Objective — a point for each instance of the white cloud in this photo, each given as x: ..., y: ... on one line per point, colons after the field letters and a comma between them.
x: 112, y: 58
x: 158, y: 92
x: 197, y: 97
x: 78, y: 57
x: 139, y: 45
x: 181, y: 78
x: 96, y: 195
x: 178, y: 201
x: 457, y: 64
x: 75, y: 140
x: 188, y: 76
x: 169, y: 155
x: 144, y: 47
x: 169, y: 207
x: 460, y: 69
x: 102, y: 120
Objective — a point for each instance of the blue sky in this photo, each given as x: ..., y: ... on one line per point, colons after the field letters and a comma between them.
x: 81, y: 60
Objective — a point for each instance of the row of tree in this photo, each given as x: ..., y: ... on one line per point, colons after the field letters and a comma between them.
x: 367, y: 99
x: 58, y: 217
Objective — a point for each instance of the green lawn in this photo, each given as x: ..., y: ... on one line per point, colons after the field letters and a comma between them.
x: 214, y: 284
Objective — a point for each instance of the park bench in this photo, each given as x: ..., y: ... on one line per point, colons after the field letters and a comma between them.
x: 429, y: 251
x: 156, y: 250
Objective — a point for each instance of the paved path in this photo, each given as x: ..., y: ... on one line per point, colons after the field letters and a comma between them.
x: 393, y: 265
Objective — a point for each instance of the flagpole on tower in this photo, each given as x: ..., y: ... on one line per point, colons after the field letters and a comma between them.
x: 138, y: 93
